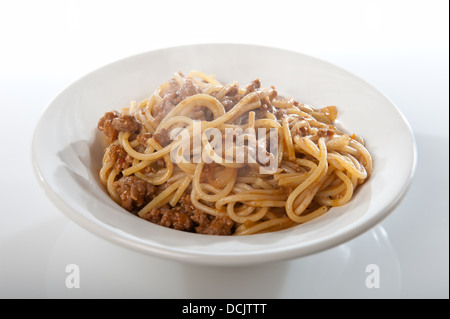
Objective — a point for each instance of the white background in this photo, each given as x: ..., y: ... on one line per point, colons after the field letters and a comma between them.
x: 401, y: 47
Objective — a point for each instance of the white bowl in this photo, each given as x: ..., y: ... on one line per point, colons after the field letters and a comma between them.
x: 67, y: 150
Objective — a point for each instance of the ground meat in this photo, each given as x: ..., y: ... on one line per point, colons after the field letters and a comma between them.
x: 234, y: 90
x: 143, y: 138
x: 186, y: 217
x: 230, y: 101
x: 159, y: 164
x: 228, y: 104
x: 119, y: 157
x: 134, y: 192
x: 112, y: 123
x: 165, y: 106
x: 162, y: 137
x: 253, y: 86
x: 231, y: 98
x: 280, y: 113
x: 104, y: 125
x: 273, y: 93
x: 171, y: 218
x: 126, y: 123
x: 207, y: 224
x: 266, y: 96
x: 172, y: 96
x: 196, y: 215
x: 303, y: 131
x: 221, y: 225
x: 201, y: 113
x: 106, y: 120
x: 323, y: 132
x: 266, y: 104
x: 188, y: 89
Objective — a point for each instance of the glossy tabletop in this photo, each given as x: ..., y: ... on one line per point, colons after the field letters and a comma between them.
x: 54, y: 43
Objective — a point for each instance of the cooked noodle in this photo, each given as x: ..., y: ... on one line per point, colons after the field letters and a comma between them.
x: 317, y: 165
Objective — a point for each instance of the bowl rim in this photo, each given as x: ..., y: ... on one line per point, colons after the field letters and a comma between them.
x: 223, y: 259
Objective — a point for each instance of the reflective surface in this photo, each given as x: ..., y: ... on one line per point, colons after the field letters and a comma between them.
x: 406, y: 60
x: 68, y: 167
x: 409, y: 264
x: 410, y: 248
x: 110, y: 271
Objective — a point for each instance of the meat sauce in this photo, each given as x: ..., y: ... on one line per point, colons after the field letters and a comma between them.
x: 135, y: 192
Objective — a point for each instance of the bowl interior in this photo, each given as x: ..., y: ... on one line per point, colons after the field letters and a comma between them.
x: 67, y: 149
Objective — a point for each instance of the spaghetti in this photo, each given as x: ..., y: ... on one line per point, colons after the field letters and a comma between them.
x: 316, y: 165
